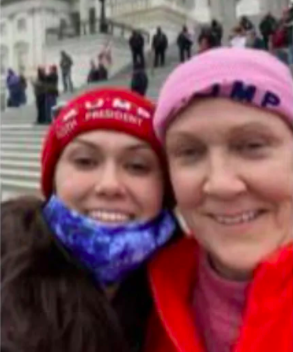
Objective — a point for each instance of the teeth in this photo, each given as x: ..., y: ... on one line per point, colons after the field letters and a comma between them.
x: 107, y: 216
x: 235, y: 220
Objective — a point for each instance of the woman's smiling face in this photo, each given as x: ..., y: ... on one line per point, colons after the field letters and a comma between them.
x: 232, y: 172
x: 110, y: 176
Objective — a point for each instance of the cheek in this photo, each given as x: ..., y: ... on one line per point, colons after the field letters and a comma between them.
x: 151, y: 195
x: 70, y: 185
x: 272, y: 182
x: 186, y: 183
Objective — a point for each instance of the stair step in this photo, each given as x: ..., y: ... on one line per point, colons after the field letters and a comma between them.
x: 19, y: 164
x: 22, y: 147
x: 33, y: 131
x: 21, y: 126
x: 22, y: 140
x: 23, y: 156
x: 29, y: 185
x: 20, y: 174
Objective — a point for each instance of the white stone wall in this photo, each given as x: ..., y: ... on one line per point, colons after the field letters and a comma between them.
x: 248, y: 7
x: 201, y: 11
x: 24, y: 24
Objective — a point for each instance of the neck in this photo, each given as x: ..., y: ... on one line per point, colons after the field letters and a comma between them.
x: 229, y: 273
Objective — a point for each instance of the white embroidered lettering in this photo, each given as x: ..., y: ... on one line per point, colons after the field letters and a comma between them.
x: 143, y: 113
x: 121, y: 104
x: 94, y: 105
x: 70, y: 115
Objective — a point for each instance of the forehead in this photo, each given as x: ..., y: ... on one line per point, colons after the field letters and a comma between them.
x: 221, y: 114
x: 109, y: 140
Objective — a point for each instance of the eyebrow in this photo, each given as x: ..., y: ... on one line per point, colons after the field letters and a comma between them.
x: 130, y: 147
x: 252, y: 127
x: 248, y: 127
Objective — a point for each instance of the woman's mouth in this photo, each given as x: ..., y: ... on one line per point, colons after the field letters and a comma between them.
x: 238, y: 219
x: 108, y: 216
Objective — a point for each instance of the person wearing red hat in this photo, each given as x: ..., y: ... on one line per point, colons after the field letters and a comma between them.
x: 73, y: 264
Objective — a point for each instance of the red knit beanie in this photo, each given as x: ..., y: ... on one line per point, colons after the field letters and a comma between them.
x: 107, y: 108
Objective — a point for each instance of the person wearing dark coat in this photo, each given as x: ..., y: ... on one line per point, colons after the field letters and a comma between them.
x: 246, y: 24
x: 267, y: 27
x: 102, y: 72
x: 66, y: 64
x: 40, y: 95
x: 139, y: 81
x: 23, y: 86
x: 93, y: 75
x: 159, y: 46
x: 13, y: 84
x: 217, y: 32
x: 136, y: 44
x: 184, y: 43
x: 208, y: 39
x: 51, y: 92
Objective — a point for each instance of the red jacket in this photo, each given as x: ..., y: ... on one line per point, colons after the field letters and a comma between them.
x: 268, y: 319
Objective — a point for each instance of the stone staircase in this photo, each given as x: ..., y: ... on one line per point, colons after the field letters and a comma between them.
x: 21, y: 138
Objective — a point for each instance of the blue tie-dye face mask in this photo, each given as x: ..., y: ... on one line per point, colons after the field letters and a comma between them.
x: 109, y: 252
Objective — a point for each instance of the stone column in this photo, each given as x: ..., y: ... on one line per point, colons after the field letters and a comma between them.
x: 84, y: 10
x: 83, y: 17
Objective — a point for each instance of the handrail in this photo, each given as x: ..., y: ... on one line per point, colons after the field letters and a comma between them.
x: 74, y: 30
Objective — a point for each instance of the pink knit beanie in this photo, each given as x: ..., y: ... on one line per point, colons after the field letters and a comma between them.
x: 245, y: 75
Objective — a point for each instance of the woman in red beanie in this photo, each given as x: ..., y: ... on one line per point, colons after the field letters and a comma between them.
x: 226, y: 121
x: 72, y: 269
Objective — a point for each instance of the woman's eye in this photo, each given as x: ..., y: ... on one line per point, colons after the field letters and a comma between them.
x: 137, y: 167
x: 190, y: 153
x: 85, y: 162
x: 251, y: 146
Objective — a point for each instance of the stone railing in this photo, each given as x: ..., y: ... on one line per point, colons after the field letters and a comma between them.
x: 66, y: 31
x: 119, y: 7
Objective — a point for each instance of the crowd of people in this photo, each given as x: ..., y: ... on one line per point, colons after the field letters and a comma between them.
x: 161, y: 228
x: 273, y: 34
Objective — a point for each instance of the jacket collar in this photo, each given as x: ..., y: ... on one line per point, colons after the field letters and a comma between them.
x: 172, y: 275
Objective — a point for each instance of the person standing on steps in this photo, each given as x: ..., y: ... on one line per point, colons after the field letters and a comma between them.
x: 51, y: 92
x: 40, y: 86
x: 139, y: 80
x: 184, y: 43
x: 136, y: 44
x: 159, y: 47
x: 267, y: 27
x: 217, y: 32
x: 66, y: 64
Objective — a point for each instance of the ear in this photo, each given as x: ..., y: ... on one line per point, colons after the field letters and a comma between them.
x: 182, y: 223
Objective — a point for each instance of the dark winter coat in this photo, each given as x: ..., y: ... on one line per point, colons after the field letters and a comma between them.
x: 139, y: 82
x: 268, y: 26
x: 136, y: 42
x: 184, y: 41
x: 160, y: 41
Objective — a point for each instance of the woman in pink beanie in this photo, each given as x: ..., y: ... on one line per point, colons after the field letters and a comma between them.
x: 225, y: 119
x: 73, y: 266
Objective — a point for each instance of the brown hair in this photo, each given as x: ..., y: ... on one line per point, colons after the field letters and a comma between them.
x: 49, y: 303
